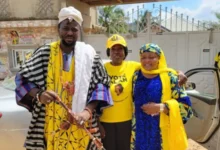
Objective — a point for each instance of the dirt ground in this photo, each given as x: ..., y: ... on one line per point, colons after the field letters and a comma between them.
x: 195, y: 146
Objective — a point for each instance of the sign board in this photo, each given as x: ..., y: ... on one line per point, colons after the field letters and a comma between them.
x: 26, y: 38
x: 21, y: 37
x: 206, y: 50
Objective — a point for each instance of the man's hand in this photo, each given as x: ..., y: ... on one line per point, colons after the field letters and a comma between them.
x: 47, y: 97
x: 86, y: 114
x: 181, y: 78
x: 82, y: 117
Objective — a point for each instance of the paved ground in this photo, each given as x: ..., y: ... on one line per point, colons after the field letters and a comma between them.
x: 195, y: 146
x: 5, y: 92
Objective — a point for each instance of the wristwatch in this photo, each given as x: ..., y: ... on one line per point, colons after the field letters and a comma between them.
x: 162, y: 105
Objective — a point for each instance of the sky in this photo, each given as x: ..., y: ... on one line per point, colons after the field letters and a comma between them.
x: 202, y: 10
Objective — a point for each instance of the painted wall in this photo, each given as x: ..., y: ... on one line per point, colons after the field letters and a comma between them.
x: 183, y: 50
x: 23, y: 35
x: 32, y: 8
x: 89, y: 13
x: 45, y: 9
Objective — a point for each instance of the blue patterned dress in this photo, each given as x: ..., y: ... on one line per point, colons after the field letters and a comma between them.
x: 147, y: 134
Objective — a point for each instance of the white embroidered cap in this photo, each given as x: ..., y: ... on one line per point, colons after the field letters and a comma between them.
x: 70, y: 13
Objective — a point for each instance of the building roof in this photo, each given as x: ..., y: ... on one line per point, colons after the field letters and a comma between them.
x: 117, y: 2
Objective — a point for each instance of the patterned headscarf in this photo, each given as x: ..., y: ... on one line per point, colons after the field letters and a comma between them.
x: 151, y: 47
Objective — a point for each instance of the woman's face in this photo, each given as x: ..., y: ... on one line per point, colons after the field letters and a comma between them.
x: 13, y: 33
x: 149, y: 60
x: 117, y: 54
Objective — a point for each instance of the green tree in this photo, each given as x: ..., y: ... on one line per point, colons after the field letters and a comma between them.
x: 213, y: 24
x: 139, y: 23
x: 142, y: 21
x: 217, y: 14
x: 113, y: 18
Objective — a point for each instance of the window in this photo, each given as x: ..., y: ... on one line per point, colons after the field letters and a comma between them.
x: 20, y: 56
x: 205, y: 83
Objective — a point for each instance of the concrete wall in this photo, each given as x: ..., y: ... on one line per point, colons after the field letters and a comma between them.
x: 89, y: 14
x: 183, y: 50
x: 28, y: 9
x: 94, y: 15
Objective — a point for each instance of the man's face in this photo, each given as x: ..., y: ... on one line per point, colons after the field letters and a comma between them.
x: 69, y: 32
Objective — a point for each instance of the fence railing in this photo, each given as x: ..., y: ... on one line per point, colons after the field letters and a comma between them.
x: 160, y: 20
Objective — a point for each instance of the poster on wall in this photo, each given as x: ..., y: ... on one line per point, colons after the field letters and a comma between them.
x: 22, y: 37
x: 26, y: 38
x: 14, y: 37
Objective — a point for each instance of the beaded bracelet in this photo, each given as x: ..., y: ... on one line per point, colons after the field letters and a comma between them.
x: 39, y: 94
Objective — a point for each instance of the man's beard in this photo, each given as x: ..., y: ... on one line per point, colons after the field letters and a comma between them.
x: 68, y: 44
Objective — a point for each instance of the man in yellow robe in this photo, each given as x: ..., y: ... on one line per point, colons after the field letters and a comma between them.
x: 72, y: 71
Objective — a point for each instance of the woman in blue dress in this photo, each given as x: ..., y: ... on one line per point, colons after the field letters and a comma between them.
x: 161, y: 105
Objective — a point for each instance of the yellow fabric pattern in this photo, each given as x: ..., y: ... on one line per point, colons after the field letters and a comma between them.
x: 74, y: 138
x: 217, y: 59
x: 172, y: 128
x: 121, y: 91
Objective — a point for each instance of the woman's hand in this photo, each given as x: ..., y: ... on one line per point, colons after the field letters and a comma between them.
x: 154, y: 108
x: 181, y: 78
x: 151, y: 108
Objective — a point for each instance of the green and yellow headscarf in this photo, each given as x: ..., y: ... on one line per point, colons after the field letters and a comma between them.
x: 150, y: 47
x: 172, y: 128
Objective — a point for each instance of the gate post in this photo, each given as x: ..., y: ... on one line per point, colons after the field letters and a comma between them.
x: 149, y: 26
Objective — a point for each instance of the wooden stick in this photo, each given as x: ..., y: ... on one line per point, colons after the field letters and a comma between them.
x: 96, y: 141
